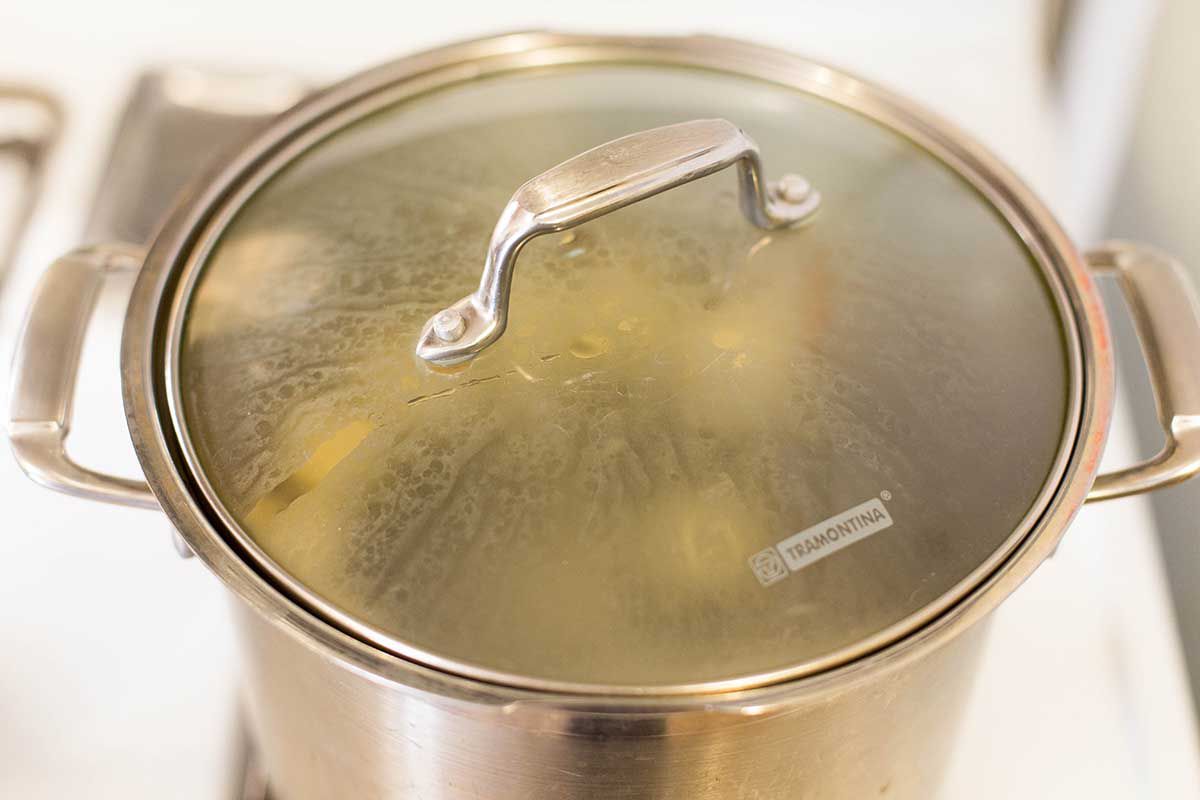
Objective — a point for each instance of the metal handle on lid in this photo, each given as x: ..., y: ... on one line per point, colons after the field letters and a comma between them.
x: 47, y: 360
x: 1166, y: 315
x: 595, y: 183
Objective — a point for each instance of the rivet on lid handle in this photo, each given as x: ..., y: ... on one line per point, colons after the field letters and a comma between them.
x: 595, y: 183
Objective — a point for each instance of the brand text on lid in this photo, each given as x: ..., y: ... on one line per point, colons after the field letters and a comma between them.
x: 824, y: 538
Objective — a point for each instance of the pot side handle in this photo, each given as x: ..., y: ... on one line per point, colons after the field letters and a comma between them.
x: 1166, y: 315
x: 44, y: 369
x: 597, y: 182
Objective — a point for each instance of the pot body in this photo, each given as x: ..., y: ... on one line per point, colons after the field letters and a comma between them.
x: 326, y: 730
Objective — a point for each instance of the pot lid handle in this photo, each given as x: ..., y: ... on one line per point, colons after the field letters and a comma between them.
x: 595, y: 183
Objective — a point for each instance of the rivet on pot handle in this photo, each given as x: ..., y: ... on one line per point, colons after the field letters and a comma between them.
x: 1166, y: 315
x: 595, y: 183
x: 44, y: 370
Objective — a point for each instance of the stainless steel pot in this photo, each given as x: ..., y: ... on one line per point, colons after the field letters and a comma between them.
x: 918, y: 379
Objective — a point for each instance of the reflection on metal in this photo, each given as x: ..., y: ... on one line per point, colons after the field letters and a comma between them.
x: 176, y: 123
x: 30, y: 121
x: 248, y: 779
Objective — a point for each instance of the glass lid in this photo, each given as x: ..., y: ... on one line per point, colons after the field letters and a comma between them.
x: 709, y: 448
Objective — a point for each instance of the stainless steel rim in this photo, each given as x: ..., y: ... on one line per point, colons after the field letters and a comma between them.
x: 150, y: 353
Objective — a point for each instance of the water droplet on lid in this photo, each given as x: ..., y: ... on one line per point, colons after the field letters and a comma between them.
x: 589, y: 346
x: 727, y: 338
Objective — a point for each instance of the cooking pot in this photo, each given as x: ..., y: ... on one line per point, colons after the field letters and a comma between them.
x: 711, y: 502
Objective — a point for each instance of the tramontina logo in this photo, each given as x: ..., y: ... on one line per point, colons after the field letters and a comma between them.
x: 827, y: 537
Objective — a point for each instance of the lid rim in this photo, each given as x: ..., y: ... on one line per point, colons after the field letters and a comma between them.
x: 297, y: 133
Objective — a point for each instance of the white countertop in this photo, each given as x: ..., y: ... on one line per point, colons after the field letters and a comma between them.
x: 117, y: 673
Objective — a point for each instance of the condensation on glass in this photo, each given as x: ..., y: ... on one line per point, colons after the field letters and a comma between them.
x: 597, y: 497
